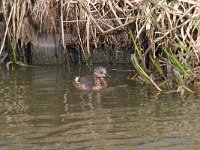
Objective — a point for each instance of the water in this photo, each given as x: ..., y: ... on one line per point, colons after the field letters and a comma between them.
x: 41, y: 110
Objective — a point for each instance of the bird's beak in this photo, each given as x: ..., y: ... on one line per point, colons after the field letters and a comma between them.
x: 107, y: 75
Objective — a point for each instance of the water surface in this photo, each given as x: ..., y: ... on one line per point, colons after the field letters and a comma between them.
x: 41, y: 110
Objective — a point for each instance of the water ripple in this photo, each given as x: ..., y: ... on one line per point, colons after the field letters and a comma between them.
x: 39, y: 109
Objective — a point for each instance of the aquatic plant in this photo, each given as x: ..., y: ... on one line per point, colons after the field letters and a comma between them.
x: 171, y: 29
x: 14, y: 51
x: 139, y: 69
x: 180, y: 71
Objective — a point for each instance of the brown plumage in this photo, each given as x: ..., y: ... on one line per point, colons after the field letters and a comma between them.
x: 93, y: 82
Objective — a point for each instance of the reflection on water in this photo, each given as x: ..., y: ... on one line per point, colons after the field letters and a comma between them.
x: 40, y: 109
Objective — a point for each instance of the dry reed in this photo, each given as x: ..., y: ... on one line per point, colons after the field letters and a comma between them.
x: 166, y: 24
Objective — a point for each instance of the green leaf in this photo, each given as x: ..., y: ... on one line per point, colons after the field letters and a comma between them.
x: 136, y: 47
x: 156, y: 63
x: 142, y: 73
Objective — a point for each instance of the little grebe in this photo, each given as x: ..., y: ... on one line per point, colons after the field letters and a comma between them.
x: 94, y: 82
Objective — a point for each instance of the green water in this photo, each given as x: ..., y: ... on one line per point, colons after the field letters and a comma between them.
x: 41, y: 110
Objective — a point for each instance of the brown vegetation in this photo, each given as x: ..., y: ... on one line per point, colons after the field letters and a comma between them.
x: 92, y: 22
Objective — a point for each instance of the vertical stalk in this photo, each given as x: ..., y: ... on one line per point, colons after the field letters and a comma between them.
x: 88, y: 34
x: 7, y: 27
x: 79, y: 36
x: 66, y: 56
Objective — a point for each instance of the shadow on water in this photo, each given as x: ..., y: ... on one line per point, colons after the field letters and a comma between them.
x: 40, y: 109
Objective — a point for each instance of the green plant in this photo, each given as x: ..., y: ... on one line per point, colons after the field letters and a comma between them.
x: 14, y: 51
x: 139, y: 69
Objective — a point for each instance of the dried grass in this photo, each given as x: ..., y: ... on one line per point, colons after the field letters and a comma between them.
x: 162, y: 22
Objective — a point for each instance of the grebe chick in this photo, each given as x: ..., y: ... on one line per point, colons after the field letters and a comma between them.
x: 93, y: 82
